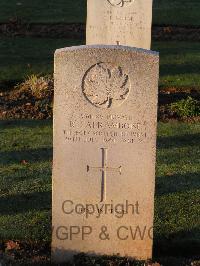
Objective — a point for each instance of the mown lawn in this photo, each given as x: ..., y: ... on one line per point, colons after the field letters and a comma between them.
x: 176, y: 12
x: 25, y: 184
x: 25, y: 180
x: 19, y: 57
x: 179, y: 63
x: 50, y: 11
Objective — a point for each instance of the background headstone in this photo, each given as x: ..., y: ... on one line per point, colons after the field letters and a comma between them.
x: 105, y: 116
x: 123, y: 22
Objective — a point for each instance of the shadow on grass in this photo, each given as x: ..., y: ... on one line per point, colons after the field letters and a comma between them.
x: 181, y: 244
x: 24, y: 179
x: 25, y: 123
x: 8, y: 85
x: 22, y: 203
x: 179, y: 69
x: 31, y: 156
x: 178, y: 141
x: 177, y: 183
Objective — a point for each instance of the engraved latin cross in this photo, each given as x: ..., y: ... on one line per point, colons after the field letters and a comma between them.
x: 104, y: 169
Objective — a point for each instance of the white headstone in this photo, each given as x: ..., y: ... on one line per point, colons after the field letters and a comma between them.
x: 123, y: 22
x: 105, y: 116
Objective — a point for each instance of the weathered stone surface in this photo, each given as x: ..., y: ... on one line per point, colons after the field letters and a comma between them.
x: 105, y: 112
x: 124, y: 22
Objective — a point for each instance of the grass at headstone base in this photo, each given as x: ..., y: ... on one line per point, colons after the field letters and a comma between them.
x: 25, y: 185
x: 179, y: 61
x: 67, y: 11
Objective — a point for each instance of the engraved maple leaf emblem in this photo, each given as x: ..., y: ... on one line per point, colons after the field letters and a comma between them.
x: 119, y: 2
x: 106, y: 85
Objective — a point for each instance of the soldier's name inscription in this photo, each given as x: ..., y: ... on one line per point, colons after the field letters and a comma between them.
x: 106, y: 128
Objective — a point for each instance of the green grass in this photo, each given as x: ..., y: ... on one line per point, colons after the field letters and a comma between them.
x: 50, y: 11
x: 176, y: 12
x: 25, y: 189
x: 179, y: 63
x: 47, y: 11
x: 178, y: 188
x: 19, y: 57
